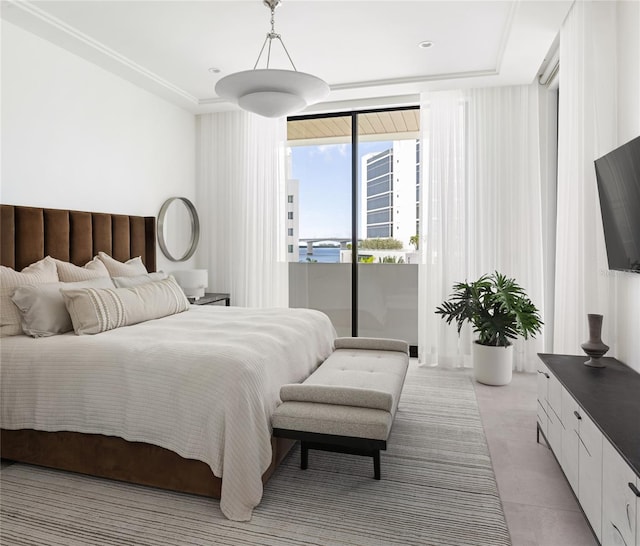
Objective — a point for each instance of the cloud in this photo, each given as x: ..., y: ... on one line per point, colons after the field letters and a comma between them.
x: 328, y: 151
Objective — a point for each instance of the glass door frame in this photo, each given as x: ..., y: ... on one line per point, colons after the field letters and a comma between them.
x: 353, y: 114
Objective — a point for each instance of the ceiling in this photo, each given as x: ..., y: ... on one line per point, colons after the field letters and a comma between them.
x: 367, y: 51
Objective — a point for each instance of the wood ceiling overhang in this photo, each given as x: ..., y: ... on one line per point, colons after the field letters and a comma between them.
x: 386, y: 125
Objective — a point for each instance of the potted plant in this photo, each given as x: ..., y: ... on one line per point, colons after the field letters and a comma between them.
x: 499, y: 311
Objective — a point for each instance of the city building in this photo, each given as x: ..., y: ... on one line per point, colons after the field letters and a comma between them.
x: 390, y: 183
x: 293, y: 220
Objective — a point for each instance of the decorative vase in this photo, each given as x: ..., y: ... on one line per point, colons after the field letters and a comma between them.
x: 594, y: 346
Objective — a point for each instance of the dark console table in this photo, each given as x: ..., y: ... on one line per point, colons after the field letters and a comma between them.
x: 590, y: 418
x: 610, y: 396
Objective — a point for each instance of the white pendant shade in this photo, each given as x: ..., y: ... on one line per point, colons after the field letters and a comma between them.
x: 271, y: 92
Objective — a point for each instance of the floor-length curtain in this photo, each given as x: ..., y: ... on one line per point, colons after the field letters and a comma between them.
x: 444, y: 253
x: 241, y: 193
x: 586, y: 130
x: 481, y: 208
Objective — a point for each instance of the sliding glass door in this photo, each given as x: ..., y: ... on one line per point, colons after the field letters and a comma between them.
x: 320, y: 230
x: 354, y: 189
x: 388, y: 196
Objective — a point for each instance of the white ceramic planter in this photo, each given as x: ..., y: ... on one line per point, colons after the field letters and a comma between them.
x: 492, y: 365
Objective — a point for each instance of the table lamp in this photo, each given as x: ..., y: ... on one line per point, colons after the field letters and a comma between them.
x: 192, y: 281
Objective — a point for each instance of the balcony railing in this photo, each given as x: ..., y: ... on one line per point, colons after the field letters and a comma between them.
x: 387, y: 297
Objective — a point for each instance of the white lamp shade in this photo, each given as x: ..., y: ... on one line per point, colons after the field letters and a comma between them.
x: 271, y: 104
x: 192, y: 281
x: 270, y: 92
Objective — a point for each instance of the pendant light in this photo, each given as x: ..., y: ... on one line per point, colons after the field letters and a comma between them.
x: 270, y: 92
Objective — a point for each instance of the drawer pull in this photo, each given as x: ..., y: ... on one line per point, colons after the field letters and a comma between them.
x: 633, y: 488
x: 618, y: 530
x: 577, y: 415
x: 544, y: 373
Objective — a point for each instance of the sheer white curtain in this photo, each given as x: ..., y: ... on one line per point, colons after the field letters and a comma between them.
x: 480, y: 207
x: 241, y: 193
x: 587, y: 130
x: 444, y: 221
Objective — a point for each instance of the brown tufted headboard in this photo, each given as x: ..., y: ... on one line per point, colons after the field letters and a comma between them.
x: 28, y: 234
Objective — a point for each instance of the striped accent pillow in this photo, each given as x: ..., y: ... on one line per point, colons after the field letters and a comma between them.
x: 42, y: 308
x: 43, y: 271
x: 94, y: 310
x: 73, y: 273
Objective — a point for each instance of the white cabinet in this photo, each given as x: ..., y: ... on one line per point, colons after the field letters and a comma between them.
x: 543, y: 398
x: 581, y: 459
x: 570, y: 441
x: 591, y: 421
x: 620, y: 505
x: 549, y: 408
x: 590, y: 472
x: 554, y: 411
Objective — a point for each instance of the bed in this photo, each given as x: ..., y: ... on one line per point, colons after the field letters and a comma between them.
x: 200, y: 385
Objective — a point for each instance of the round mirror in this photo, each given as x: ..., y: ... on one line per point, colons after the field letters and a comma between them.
x: 178, y: 229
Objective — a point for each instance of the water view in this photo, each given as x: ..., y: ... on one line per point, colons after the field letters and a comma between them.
x: 324, y: 255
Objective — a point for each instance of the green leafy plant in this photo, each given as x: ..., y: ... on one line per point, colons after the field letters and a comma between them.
x: 497, y: 308
x: 415, y: 241
x: 366, y: 259
x: 391, y: 260
x: 380, y: 243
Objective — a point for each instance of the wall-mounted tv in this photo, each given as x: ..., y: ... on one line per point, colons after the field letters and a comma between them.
x: 618, y: 175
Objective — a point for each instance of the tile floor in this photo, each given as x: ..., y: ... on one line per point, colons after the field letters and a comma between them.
x: 538, y: 503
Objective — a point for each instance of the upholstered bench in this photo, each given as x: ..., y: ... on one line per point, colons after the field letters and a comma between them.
x: 348, y: 404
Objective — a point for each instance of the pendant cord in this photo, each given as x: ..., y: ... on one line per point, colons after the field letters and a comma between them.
x: 270, y: 37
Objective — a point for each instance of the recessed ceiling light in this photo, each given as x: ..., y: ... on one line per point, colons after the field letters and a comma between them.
x: 214, y: 70
x: 425, y: 45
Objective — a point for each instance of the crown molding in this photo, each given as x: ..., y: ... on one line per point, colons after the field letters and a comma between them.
x: 34, y: 19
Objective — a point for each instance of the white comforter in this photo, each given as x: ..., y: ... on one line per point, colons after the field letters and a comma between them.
x: 202, y: 383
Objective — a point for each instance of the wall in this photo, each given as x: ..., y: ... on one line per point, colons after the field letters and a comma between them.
x: 627, y: 285
x: 76, y: 136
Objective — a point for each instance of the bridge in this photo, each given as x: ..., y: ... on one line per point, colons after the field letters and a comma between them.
x: 344, y: 241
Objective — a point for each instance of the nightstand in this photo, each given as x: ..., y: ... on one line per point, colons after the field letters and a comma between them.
x: 212, y: 299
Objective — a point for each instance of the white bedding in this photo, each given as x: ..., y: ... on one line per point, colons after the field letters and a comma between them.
x: 202, y: 383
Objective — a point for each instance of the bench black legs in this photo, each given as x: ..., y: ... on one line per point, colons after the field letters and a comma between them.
x: 304, y: 455
x: 376, y: 464
x: 337, y: 444
x: 306, y: 446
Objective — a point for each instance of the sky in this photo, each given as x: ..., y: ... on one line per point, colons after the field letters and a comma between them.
x: 324, y: 175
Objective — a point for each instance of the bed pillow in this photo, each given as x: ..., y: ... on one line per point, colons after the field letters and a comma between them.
x: 127, y: 282
x: 98, y: 310
x: 43, y: 271
x: 130, y: 268
x: 42, y: 307
x: 69, y: 272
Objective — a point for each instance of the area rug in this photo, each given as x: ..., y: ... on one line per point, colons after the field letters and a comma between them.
x: 437, y: 488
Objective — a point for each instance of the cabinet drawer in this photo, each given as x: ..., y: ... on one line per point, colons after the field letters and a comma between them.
x: 619, y: 503
x: 543, y: 397
x: 590, y: 471
x: 555, y: 394
x: 570, y: 440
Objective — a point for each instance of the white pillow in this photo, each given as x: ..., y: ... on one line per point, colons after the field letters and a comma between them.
x: 43, y: 271
x: 98, y: 310
x: 130, y: 268
x: 69, y: 272
x: 127, y: 282
x: 42, y: 306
